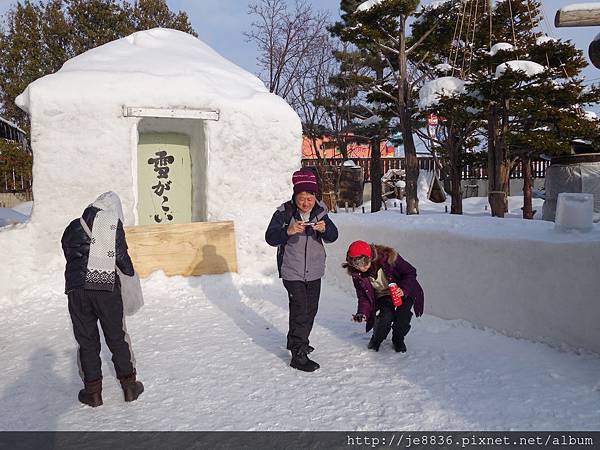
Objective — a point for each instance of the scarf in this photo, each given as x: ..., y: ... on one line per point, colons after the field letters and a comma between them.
x: 100, y: 272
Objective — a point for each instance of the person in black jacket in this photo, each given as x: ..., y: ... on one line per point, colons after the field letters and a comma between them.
x: 94, y: 246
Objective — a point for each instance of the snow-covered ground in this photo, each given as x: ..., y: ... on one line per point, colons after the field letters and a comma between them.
x: 211, y: 352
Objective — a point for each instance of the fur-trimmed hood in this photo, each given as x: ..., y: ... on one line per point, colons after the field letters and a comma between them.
x: 381, y: 255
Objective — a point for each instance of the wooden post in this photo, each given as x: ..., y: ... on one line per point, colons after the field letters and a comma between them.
x: 578, y: 15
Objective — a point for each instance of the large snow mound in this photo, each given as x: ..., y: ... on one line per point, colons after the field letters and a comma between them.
x: 173, y: 59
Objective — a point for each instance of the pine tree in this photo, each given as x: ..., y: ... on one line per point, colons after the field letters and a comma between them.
x: 21, y: 57
x: 530, y: 96
x: 445, y: 56
x: 381, y: 32
x: 37, y: 38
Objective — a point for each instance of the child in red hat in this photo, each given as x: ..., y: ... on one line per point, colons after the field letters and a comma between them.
x: 373, y: 268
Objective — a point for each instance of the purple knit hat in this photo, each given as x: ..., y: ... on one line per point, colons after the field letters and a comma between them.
x: 304, y: 181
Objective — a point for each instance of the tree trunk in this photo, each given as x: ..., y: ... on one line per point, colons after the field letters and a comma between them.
x: 498, y: 164
x: 410, y: 152
x: 376, y: 170
x: 455, y: 174
x: 412, y: 167
x: 527, y: 206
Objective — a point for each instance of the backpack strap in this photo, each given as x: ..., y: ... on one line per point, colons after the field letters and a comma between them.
x: 288, y: 213
x: 85, y: 227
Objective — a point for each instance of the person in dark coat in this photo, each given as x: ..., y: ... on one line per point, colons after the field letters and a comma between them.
x: 298, y: 229
x: 94, y: 246
x: 373, y: 268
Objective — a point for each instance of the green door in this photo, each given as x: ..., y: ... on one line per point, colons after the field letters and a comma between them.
x: 164, y: 179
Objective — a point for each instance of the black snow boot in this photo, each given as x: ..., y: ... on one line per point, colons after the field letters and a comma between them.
x: 373, y: 345
x: 400, y: 346
x: 91, y: 394
x: 301, y: 361
x: 131, y: 388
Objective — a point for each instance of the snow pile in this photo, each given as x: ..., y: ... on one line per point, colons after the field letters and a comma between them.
x: 430, y: 93
x: 530, y: 68
x: 79, y: 110
x: 365, y: 6
x: 443, y: 68
x: 544, y: 39
x: 8, y: 216
x: 24, y: 208
x: 504, y: 46
x: 581, y: 7
x: 574, y: 211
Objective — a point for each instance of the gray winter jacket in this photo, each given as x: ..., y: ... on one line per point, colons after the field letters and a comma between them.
x: 300, y: 257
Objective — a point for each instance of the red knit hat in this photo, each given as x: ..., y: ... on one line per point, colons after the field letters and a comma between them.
x: 304, y: 181
x: 359, y: 248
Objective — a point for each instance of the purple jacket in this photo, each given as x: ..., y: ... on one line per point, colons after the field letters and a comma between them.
x: 398, y: 271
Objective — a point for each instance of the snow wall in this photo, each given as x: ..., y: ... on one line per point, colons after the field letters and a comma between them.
x: 518, y: 277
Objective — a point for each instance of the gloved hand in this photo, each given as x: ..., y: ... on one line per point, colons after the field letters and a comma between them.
x: 358, y: 317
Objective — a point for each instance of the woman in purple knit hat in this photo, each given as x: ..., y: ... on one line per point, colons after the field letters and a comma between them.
x: 387, y: 288
x: 298, y: 229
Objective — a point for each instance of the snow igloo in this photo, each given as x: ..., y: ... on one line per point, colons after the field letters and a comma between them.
x: 114, y: 117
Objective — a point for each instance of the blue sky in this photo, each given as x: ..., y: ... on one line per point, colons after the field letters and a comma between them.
x: 221, y: 23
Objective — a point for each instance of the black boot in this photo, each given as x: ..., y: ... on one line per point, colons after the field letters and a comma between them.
x: 131, y: 388
x: 373, y: 345
x: 400, y: 346
x: 91, y: 394
x: 301, y: 361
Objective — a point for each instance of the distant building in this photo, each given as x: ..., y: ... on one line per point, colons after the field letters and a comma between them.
x: 327, y: 149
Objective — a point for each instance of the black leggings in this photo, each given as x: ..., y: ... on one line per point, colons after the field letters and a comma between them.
x: 304, y: 303
x: 392, y: 318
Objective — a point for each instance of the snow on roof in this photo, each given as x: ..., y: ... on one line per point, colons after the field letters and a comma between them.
x: 590, y: 115
x: 505, y: 46
x: 529, y: 67
x: 431, y: 91
x: 365, y: 6
x: 148, y: 66
x: 581, y: 7
x: 545, y: 39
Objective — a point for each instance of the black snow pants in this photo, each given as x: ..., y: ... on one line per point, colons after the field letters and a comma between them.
x: 391, y: 317
x: 304, y: 302
x: 86, y: 307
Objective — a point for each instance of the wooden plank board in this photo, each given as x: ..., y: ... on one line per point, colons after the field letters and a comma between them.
x: 187, y: 249
x: 582, y: 17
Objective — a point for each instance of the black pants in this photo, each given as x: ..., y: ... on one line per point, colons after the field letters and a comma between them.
x: 86, y: 307
x: 304, y: 302
x: 392, y: 318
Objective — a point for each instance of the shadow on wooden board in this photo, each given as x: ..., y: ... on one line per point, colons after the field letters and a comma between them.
x: 187, y: 249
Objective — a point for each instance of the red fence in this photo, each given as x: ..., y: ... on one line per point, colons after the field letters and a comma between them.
x: 538, y: 167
